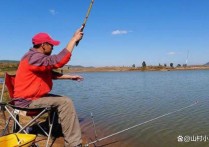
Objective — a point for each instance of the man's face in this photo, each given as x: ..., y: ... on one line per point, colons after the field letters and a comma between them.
x: 47, y: 48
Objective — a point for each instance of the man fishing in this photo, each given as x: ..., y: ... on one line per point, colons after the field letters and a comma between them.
x: 33, y: 83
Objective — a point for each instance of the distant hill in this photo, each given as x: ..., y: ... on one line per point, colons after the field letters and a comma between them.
x: 207, y: 64
x: 9, y: 61
x: 74, y: 66
x: 77, y: 66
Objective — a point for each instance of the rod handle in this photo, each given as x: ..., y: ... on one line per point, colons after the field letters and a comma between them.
x: 77, y: 42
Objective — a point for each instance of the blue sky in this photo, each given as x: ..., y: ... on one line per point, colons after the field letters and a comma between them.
x: 118, y: 32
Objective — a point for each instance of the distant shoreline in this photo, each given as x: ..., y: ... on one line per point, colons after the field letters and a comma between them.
x: 11, y: 68
x: 123, y: 69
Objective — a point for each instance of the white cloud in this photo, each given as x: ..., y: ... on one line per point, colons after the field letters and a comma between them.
x: 171, y: 53
x: 52, y: 12
x: 120, y: 32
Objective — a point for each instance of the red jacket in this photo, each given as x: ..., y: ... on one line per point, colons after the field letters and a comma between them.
x: 34, y: 75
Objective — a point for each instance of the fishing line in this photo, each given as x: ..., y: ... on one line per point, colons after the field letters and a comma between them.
x: 119, y: 132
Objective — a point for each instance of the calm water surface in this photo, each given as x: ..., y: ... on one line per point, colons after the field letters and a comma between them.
x: 119, y: 100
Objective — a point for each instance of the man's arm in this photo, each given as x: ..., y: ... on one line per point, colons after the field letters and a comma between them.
x: 76, y: 37
x: 57, y: 75
x: 41, y: 62
x: 71, y: 77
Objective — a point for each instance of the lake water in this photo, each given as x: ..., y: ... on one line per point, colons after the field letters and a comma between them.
x: 120, y: 100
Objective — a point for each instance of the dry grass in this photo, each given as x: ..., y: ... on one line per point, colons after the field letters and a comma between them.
x: 10, y: 67
x: 5, y: 94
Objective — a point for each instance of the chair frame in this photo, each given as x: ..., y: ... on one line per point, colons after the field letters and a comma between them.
x: 14, y: 114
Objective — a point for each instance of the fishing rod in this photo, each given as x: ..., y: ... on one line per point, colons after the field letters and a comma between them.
x: 119, y: 132
x: 86, y: 18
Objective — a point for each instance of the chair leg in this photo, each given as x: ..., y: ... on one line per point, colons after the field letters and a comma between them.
x: 6, y: 126
x: 50, y: 127
x: 16, y: 127
x: 31, y: 122
x: 14, y: 118
x: 6, y: 122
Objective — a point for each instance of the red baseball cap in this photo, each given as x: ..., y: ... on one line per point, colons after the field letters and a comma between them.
x: 44, y: 37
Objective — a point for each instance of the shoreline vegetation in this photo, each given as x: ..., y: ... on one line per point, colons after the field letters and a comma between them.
x: 11, y: 67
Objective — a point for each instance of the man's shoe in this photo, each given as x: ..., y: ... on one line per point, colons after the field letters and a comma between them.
x: 30, y: 130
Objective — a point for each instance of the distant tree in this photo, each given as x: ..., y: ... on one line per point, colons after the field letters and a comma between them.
x: 165, y: 65
x: 184, y: 65
x: 160, y: 65
x: 171, y: 65
x: 144, y: 64
x: 133, y: 65
x: 178, y: 65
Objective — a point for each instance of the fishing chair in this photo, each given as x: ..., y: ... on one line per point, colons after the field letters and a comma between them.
x: 15, y: 111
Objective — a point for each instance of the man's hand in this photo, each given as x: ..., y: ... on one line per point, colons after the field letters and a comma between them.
x: 71, y: 77
x: 78, y: 34
x: 76, y: 78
